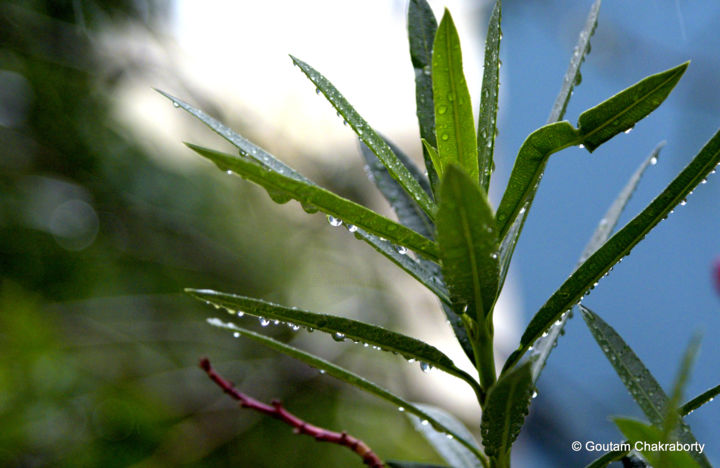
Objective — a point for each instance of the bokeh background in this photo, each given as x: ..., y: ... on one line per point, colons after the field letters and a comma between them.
x: 105, y: 217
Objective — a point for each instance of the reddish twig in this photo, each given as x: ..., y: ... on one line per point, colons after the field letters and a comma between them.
x: 277, y: 411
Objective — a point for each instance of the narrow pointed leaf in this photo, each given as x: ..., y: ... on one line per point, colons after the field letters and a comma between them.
x: 528, y: 170
x: 606, y: 459
x: 622, y: 111
x: 435, y: 158
x: 407, y: 211
x: 454, y: 127
x: 546, y: 343
x: 505, y: 409
x: 340, y: 328
x: 324, y: 200
x: 672, y: 415
x: 641, y: 384
x: 572, y: 76
x: 422, y: 26
x: 344, y: 375
x: 368, y: 136
x: 487, y: 120
x: 468, y: 244
x: 453, y: 452
x: 246, y: 147
x: 641, y: 435
x: 619, y: 245
x: 699, y: 400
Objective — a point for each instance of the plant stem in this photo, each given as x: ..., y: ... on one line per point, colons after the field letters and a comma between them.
x: 481, y: 339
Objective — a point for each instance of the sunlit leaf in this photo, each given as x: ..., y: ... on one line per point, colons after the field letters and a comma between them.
x: 454, y: 123
x: 368, y: 136
x: 323, y: 200
x: 705, y: 397
x: 487, y: 120
x: 643, y: 435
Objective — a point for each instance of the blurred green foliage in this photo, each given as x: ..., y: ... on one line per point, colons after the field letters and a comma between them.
x: 98, y: 347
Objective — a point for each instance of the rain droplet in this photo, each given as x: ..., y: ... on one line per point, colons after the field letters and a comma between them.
x: 425, y: 367
x: 335, y: 222
x: 295, y: 327
x: 322, y: 371
x: 683, y: 203
x: 535, y: 394
x: 442, y: 110
x: 402, y: 250
x: 581, y: 146
x: 339, y: 336
x: 449, y: 436
x: 176, y: 104
x: 653, y: 160
x: 352, y: 228
x: 628, y: 130
x: 401, y: 409
x: 411, y: 360
x: 424, y: 422
x: 264, y: 322
x: 236, y: 335
x: 445, y: 137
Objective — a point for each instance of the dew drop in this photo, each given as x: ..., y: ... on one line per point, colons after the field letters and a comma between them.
x: 449, y: 436
x: 352, y: 228
x: 411, y: 360
x: 425, y: 367
x: 240, y: 313
x: 628, y: 130
x: 402, y: 250
x: 176, y: 104
x: 535, y: 394
x: 683, y: 203
x: 442, y: 110
x: 581, y: 146
x: 295, y: 327
x: 653, y: 160
x: 264, y: 322
x: 401, y: 409
x: 276, y: 322
x: 445, y: 137
x: 317, y: 90
x: 335, y: 222
x: 339, y: 336
x: 236, y: 335
x: 228, y: 172
x: 424, y: 422
x: 322, y: 371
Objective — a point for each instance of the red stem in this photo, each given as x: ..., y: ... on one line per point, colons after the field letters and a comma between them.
x: 277, y: 411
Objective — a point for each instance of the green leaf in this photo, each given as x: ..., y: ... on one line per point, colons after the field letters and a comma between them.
x: 641, y: 384
x: 407, y: 211
x: 368, y: 136
x: 643, y: 436
x: 672, y: 415
x: 528, y: 169
x: 505, y: 409
x: 699, y: 400
x: 247, y: 148
x: 606, y: 459
x: 468, y: 244
x: 340, y: 328
x: 572, y: 76
x: 618, y: 246
x: 421, y: 34
x: 344, y: 375
x: 456, y: 454
x: 487, y: 120
x: 313, y: 196
x: 546, y: 343
x: 454, y: 126
x: 622, y: 111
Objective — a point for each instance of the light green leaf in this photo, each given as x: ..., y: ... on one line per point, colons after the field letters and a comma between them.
x: 454, y: 126
x: 546, y: 343
x: 528, y: 169
x: 407, y: 464
x: 344, y: 375
x: 572, y: 76
x: 505, y: 409
x: 641, y: 384
x: 421, y: 34
x: 324, y: 200
x: 247, y: 148
x: 456, y: 454
x: 642, y: 435
x: 618, y: 246
x: 487, y: 120
x: 368, y: 136
x: 468, y: 244
x: 699, y: 400
x: 340, y: 328
x: 622, y: 111
x: 407, y: 211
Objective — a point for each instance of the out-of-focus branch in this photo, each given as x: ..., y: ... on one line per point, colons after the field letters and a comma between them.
x: 277, y: 411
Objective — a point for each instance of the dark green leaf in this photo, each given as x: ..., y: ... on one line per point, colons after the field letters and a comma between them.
x: 368, y: 136
x: 639, y: 434
x: 572, y: 76
x: 487, y: 120
x: 407, y: 211
x: 468, y: 244
x: 344, y: 375
x: 340, y: 328
x: 699, y: 400
x: 546, y: 343
x: 608, y: 458
x: 324, y: 200
x: 454, y: 127
x: 505, y: 409
x: 622, y: 111
x: 619, y: 245
x: 421, y: 33
x: 641, y: 384
x: 456, y: 454
x: 528, y: 170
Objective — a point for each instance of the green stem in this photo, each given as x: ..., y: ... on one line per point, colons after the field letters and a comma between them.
x: 481, y: 339
x: 501, y: 461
